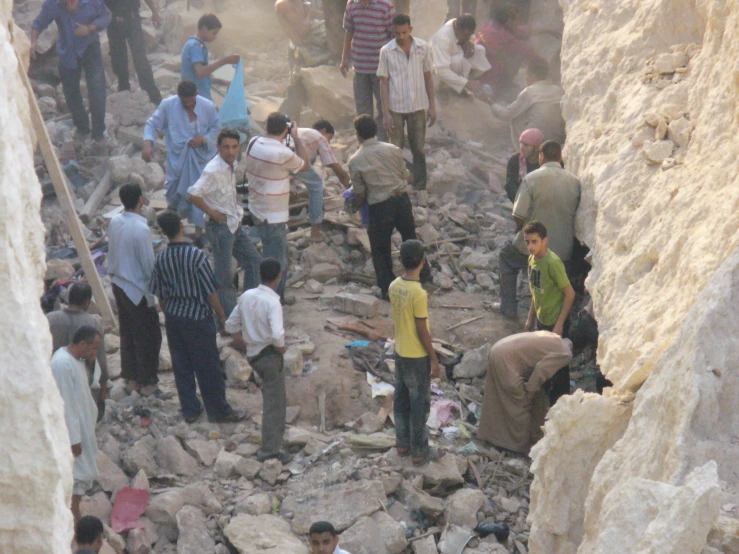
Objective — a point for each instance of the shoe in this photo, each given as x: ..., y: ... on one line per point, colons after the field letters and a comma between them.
x: 433, y: 455
x: 233, y: 417
x: 284, y: 457
x: 154, y: 390
x: 194, y: 418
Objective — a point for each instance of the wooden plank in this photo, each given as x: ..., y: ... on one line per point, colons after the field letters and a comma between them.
x: 96, y: 198
x: 387, y: 407
x: 465, y: 322
x: 65, y: 201
x: 322, y: 411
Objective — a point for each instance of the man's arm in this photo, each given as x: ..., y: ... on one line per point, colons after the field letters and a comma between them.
x: 300, y: 149
x: 531, y: 318
x: 277, y: 328
x: 202, y: 70
x: 512, y: 111
x: 569, y: 293
x: 145, y: 252
x: 443, y: 65
x: 428, y: 80
x: 194, y: 194
x: 425, y: 337
x: 42, y: 21
x: 156, y: 123
x: 215, y: 303
x: 63, y: 379
x: 522, y: 205
x: 348, y: 37
x: 103, y: 17
x: 340, y: 173
x: 156, y: 20
x: 359, y: 186
x: 387, y: 118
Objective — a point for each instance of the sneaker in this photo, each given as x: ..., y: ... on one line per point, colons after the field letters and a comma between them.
x: 233, y: 417
x: 284, y: 457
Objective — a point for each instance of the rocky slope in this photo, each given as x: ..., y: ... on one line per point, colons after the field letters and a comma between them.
x: 651, y: 115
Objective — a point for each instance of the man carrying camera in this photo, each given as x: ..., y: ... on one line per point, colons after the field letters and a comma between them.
x: 269, y: 164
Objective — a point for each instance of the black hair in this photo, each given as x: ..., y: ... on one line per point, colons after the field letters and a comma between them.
x: 503, y: 14
x: 277, y: 123
x: 269, y: 269
x: 411, y: 253
x: 79, y: 293
x: 187, y: 89
x: 365, y: 126
x: 536, y: 228
x: 467, y: 22
x: 401, y: 19
x: 169, y: 222
x: 86, y: 334
x: 227, y: 134
x: 324, y: 124
x: 210, y: 21
x: 88, y: 530
x: 551, y: 150
x: 130, y: 194
x: 320, y: 527
x: 539, y: 68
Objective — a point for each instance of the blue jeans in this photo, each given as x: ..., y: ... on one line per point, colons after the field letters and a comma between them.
x: 313, y: 182
x: 192, y: 345
x: 274, y: 245
x: 226, y: 245
x: 92, y: 64
x: 412, y: 404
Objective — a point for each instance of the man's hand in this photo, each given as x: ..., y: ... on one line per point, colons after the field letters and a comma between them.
x: 156, y: 19
x: 222, y: 322
x: 387, y: 122
x: 221, y: 219
x: 529, y: 326
x: 82, y: 30
x: 431, y: 115
x: 34, y: 50
x: 197, y: 141
x: 344, y: 67
x: 233, y: 59
x: 77, y: 449
x: 469, y: 49
x: 435, y: 369
x: 238, y: 342
x: 147, y: 154
x: 558, y: 328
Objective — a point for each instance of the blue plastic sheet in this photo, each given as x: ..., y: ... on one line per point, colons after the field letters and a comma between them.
x: 234, y: 113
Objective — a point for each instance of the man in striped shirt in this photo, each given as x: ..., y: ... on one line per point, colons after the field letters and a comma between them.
x: 187, y: 292
x: 368, y: 26
x: 269, y: 164
x: 408, y: 93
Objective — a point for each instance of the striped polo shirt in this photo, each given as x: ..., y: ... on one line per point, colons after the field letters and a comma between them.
x: 373, y: 28
x: 268, y: 168
x: 407, y: 92
x: 183, y: 280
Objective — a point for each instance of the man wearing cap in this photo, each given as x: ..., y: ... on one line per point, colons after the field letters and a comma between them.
x: 524, y: 161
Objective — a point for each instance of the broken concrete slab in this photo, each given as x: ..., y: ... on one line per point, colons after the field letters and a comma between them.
x: 172, y: 458
x: 141, y: 456
x: 341, y: 504
x: 417, y: 499
x: 361, y: 305
x: 443, y: 474
x: 293, y: 361
x: 378, y: 534
x: 194, y: 537
x: 110, y: 476
x: 163, y: 507
x: 462, y: 507
x: 203, y: 451
x: 323, y: 272
x: 264, y: 534
x: 474, y: 363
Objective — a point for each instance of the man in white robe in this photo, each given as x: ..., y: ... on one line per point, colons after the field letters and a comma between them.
x: 458, y: 62
x: 80, y: 410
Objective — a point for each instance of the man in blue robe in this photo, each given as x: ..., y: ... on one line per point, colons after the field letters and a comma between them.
x: 191, y: 125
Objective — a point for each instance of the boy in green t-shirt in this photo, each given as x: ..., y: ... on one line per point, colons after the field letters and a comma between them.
x: 552, y: 294
x: 415, y: 358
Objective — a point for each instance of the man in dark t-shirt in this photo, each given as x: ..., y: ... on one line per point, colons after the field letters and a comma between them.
x: 523, y: 162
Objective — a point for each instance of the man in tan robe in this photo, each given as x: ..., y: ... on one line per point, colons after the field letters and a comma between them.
x: 515, y: 402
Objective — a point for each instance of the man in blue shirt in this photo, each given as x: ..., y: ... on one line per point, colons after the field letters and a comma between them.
x: 78, y: 22
x: 195, y: 66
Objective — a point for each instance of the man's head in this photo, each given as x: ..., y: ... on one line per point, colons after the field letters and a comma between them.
x: 170, y: 223
x: 79, y: 295
x: 464, y: 27
x: 228, y: 145
x: 529, y: 143
x: 365, y: 126
x: 85, y: 342
x: 323, y: 538
x: 270, y: 272
x: 402, y: 28
x: 89, y: 533
x: 506, y: 15
x: 278, y: 125
x: 551, y: 151
x: 535, y: 235
x: 325, y: 128
x: 131, y: 197
x: 208, y: 27
x: 412, y: 254
x: 538, y: 70
x: 188, y: 93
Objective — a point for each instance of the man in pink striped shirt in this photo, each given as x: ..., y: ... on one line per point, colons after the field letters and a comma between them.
x: 368, y: 26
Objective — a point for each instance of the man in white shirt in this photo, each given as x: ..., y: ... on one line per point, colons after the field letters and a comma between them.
x: 458, y: 62
x: 214, y: 193
x: 80, y: 411
x: 256, y: 325
x: 323, y: 539
x: 269, y: 164
x: 130, y: 264
x: 407, y: 89
x: 317, y: 142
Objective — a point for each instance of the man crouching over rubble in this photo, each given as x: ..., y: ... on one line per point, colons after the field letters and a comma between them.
x: 515, y: 402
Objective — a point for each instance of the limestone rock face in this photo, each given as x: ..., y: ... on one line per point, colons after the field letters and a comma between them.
x: 36, y: 459
x: 663, y: 283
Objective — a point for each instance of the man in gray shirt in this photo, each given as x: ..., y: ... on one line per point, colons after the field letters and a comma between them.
x: 551, y: 195
x: 63, y: 324
x: 130, y: 264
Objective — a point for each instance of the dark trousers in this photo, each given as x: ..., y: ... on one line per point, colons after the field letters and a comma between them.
x: 510, y: 262
x: 269, y: 366
x: 412, y: 403
x: 559, y: 384
x: 91, y: 62
x: 141, y: 339
x: 394, y: 213
x: 126, y: 27
x: 367, y: 89
x: 416, y: 122
x: 192, y: 345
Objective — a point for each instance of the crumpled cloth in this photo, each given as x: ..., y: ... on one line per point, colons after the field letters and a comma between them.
x: 371, y: 359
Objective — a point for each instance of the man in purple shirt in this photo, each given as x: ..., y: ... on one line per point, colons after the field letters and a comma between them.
x: 78, y: 22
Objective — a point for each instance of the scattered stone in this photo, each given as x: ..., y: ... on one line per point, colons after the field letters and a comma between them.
x: 474, y: 363
x: 329, y: 94
x: 270, y: 471
x: 129, y: 108
x: 477, y: 260
x: 120, y: 169
x: 427, y: 545
x: 323, y: 272
x: 378, y: 534
x: 416, y: 499
x: 58, y: 270
x: 172, y: 457
x: 141, y: 457
x: 110, y: 476
x: 369, y: 423
x: 658, y: 151
x: 203, y: 451
x: 361, y: 305
x: 510, y: 505
x: 254, y: 505
x: 442, y: 281
x: 293, y: 361
x: 163, y: 507
x: 137, y: 543
x: 669, y: 63
x: 318, y: 253
x: 679, y: 131
x: 313, y: 287
x: 462, y: 507
x: 265, y: 533
x: 97, y: 505
x: 291, y: 414
x: 248, y: 468
x: 237, y: 368
x: 194, y: 537
x: 225, y: 465
x: 140, y: 481
x: 295, y: 436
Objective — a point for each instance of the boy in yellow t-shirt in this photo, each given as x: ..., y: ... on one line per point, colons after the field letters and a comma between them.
x: 415, y: 359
